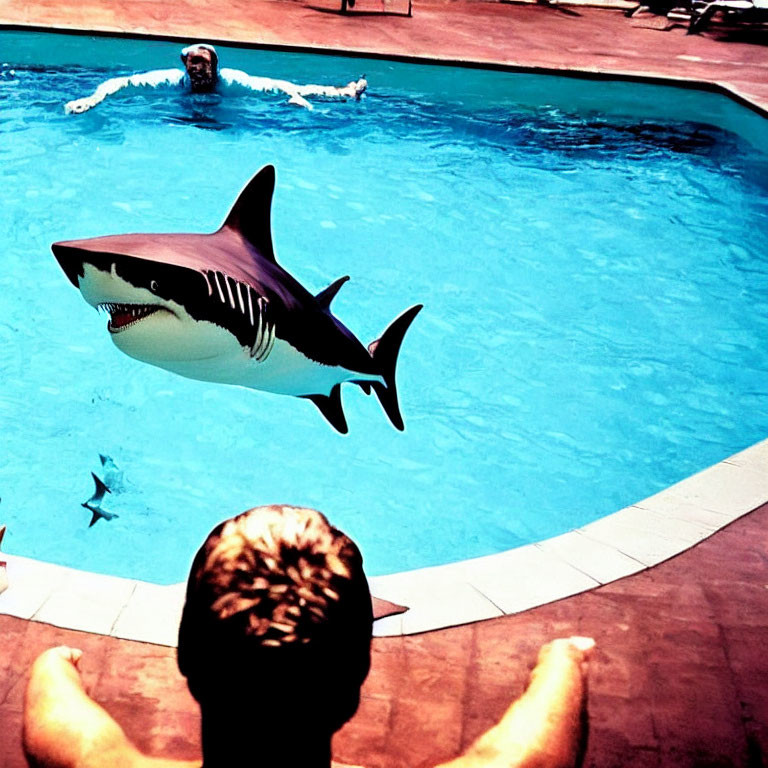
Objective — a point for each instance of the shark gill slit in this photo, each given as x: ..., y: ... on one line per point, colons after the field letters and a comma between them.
x: 229, y: 291
x: 270, y: 342
x: 259, y: 329
x: 265, y: 335
x: 218, y: 287
x: 250, y: 302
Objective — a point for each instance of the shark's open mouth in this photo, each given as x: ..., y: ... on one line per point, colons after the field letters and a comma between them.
x: 122, y: 316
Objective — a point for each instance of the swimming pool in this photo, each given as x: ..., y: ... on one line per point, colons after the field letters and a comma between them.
x: 551, y: 379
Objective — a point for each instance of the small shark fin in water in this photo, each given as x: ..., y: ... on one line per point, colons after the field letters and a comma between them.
x: 113, y: 475
x: 98, y: 494
x: 326, y: 296
x: 93, y: 505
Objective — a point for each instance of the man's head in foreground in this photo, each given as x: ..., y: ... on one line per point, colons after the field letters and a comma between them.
x: 277, y: 621
x: 202, y: 65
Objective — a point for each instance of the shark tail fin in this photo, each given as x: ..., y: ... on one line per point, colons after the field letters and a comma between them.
x: 330, y: 406
x: 384, y: 352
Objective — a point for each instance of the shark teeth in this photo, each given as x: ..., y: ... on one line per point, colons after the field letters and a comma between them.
x: 123, y: 316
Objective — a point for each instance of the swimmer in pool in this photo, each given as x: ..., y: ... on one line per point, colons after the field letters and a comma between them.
x: 201, y: 74
x: 275, y: 643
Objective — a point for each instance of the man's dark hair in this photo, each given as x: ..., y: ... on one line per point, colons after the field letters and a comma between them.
x: 278, y: 615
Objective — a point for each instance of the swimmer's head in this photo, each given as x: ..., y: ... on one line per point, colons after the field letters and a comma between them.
x: 277, y: 616
x: 202, y: 64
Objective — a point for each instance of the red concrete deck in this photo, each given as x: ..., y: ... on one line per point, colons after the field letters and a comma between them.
x: 681, y: 675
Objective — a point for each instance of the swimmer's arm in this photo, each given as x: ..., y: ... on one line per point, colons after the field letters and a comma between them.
x: 64, y: 728
x: 352, y: 90
x: 113, y: 85
x: 264, y: 84
x: 544, y: 728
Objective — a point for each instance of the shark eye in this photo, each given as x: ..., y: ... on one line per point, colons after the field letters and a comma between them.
x: 153, y: 286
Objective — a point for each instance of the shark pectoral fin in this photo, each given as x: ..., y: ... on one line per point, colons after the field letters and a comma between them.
x: 330, y: 406
x: 384, y: 353
x: 326, y: 296
x: 251, y: 213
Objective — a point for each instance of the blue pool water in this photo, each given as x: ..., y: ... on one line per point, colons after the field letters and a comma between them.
x: 592, y: 257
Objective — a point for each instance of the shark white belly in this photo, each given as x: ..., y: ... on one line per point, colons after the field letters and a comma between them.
x: 284, y: 371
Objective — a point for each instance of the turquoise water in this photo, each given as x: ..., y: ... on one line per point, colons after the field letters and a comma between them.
x: 595, y: 289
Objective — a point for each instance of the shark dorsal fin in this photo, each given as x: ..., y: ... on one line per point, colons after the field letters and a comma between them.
x: 251, y: 213
x: 327, y: 295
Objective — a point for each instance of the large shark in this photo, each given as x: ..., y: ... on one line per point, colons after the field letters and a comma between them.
x: 218, y: 307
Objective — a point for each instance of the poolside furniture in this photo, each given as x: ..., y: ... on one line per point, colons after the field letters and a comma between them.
x: 660, y: 14
x: 347, y: 4
x: 743, y: 10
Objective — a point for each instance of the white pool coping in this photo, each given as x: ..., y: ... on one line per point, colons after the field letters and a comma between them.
x: 619, y: 545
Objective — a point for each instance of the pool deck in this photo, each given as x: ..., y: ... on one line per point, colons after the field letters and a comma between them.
x: 679, y: 677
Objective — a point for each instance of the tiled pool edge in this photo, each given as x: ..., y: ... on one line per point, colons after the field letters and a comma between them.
x: 621, y: 544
